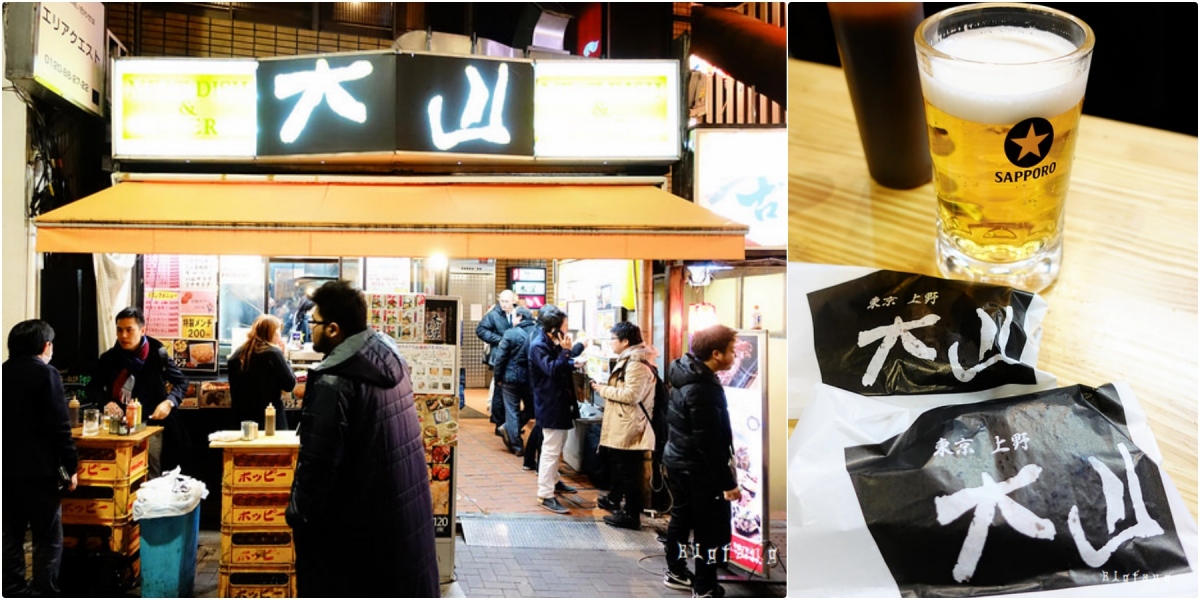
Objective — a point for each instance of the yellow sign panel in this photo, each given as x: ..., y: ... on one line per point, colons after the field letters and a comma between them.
x: 184, y: 108
x: 197, y: 327
x: 610, y: 109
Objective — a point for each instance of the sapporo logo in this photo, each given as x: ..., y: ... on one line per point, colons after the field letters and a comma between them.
x: 1026, y: 145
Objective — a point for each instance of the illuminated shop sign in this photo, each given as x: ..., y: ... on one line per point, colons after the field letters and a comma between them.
x: 529, y: 283
x: 327, y: 104
x: 183, y: 108
x: 741, y: 174
x: 606, y: 109
x: 464, y: 105
x: 69, y: 51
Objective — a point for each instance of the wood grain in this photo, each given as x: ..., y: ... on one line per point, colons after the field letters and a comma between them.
x: 1124, y: 305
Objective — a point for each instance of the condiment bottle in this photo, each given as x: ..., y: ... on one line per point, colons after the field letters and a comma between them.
x: 756, y: 318
x: 269, y: 420
x: 875, y: 41
x: 131, y: 415
x: 73, y: 411
x: 137, y: 413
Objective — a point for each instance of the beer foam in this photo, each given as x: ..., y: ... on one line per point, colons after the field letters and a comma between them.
x: 1005, y: 80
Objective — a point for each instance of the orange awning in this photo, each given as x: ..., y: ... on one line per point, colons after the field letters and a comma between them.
x: 263, y: 216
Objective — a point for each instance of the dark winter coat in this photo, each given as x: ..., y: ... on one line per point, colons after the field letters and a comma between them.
x: 37, y: 435
x: 491, y: 330
x: 260, y: 382
x: 149, y: 383
x: 512, y: 361
x: 699, y: 438
x: 550, y: 378
x: 360, y: 506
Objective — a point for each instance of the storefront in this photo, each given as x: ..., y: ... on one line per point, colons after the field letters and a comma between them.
x: 253, y: 235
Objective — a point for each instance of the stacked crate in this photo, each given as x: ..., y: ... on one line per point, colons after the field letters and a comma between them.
x: 97, y: 516
x: 257, y: 552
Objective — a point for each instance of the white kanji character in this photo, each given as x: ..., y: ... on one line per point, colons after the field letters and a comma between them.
x: 987, y: 339
x: 899, y: 329
x: 986, y: 500
x: 1000, y: 445
x: 1020, y: 441
x: 943, y: 448
x: 890, y: 301
x: 873, y: 304
x: 916, y: 299
x: 963, y: 447
x: 1114, y: 498
x: 931, y: 297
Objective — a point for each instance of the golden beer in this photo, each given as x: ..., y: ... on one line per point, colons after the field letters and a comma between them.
x: 990, y: 208
x: 1003, y: 87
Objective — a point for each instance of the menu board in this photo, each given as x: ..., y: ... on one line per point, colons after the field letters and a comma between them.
x: 439, y: 431
x: 401, y: 316
x: 180, y: 306
x: 746, y: 396
x: 434, y: 368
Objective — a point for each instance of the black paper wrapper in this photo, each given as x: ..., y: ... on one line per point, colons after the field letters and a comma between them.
x: 1050, y: 455
x: 941, y: 324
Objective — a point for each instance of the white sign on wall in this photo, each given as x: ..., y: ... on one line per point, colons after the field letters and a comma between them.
x: 70, y: 52
x: 741, y: 174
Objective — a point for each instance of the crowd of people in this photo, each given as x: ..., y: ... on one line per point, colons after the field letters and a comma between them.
x: 361, y: 449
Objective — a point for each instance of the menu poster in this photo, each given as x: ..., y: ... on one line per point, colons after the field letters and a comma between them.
x: 401, y: 316
x: 433, y: 368
x: 194, y: 355
x: 161, y: 309
x: 198, y: 272
x: 746, y: 397
x: 439, y: 431
x: 441, y: 321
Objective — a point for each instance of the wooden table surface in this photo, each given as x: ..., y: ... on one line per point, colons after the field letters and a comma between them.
x: 1124, y: 305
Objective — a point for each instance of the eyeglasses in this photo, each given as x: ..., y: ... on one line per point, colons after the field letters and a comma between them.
x: 316, y: 322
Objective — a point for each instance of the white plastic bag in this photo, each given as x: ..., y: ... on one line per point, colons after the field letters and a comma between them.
x: 171, y: 495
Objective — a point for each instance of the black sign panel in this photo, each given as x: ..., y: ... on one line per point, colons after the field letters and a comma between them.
x: 899, y: 333
x: 1036, y: 492
x: 464, y: 105
x: 327, y: 104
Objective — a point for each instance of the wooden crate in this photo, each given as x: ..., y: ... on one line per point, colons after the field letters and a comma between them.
x: 244, y: 582
x: 100, y: 504
x: 259, y: 469
x: 105, y: 464
x: 257, y: 547
x: 122, y: 537
x: 254, y: 509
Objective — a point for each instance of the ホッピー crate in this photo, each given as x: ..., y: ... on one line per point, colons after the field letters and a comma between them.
x: 108, y: 464
x: 255, y: 509
x: 122, y: 537
x: 259, y: 469
x: 257, y: 547
x: 99, y: 504
x: 270, y: 582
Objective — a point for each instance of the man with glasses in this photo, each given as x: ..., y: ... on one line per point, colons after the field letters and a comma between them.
x: 38, y: 451
x: 361, y: 511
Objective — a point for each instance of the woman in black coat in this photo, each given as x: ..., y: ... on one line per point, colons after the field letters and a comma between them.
x: 259, y: 373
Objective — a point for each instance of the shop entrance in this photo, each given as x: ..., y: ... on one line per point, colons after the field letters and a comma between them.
x: 477, y: 288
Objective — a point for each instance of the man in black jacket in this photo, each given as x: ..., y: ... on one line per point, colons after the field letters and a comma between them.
x: 491, y: 330
x: 361, y: 510
x: 157, y: 383
x: 512, y: 375
x: 698, y: 457
x: 38, y: 450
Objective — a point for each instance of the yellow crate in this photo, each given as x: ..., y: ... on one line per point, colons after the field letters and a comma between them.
x: 259, y: 469
x: 242, y: 509
x: 106, y: 464
x: 272, y: 582
x: 122, y: 537
x: 257, y: 547
x: 99, y: 504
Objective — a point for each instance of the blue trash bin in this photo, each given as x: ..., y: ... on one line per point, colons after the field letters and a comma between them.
x: 169, y: 555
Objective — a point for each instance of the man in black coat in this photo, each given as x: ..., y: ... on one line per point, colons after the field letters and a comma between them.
x: 512, y: 375
x: 158, y: 385
x: 361, y: 511
x: 698, y: 457
x: 38, y: 450
x: 551, y: 363
x: 491, y: 330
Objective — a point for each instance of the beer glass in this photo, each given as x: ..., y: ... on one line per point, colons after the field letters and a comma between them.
x: 1003, y: 87
x: 91, y: 422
